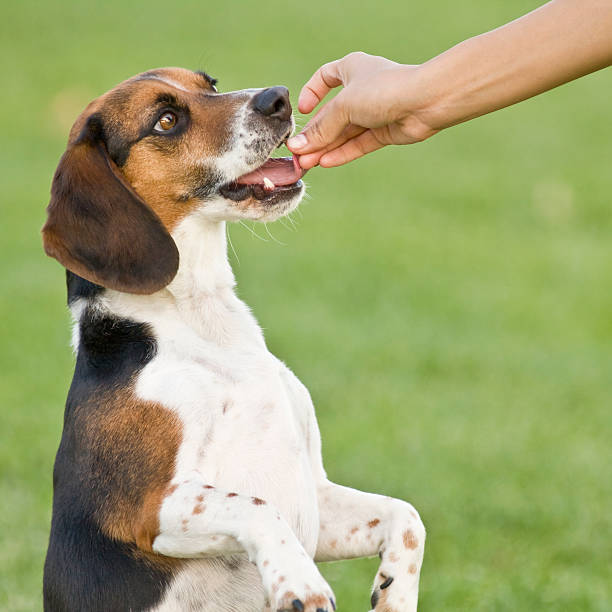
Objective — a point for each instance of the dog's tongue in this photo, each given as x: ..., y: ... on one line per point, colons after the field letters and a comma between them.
x: 279, y: 171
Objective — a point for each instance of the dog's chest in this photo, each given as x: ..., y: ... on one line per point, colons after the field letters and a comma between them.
x: 242, y: 429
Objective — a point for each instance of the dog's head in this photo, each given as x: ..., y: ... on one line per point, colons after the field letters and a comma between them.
x: 154, y: 150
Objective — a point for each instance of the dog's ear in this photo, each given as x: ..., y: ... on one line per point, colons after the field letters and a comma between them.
x: 97, y: 225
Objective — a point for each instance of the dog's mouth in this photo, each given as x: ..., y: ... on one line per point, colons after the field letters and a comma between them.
x: 277, y: 175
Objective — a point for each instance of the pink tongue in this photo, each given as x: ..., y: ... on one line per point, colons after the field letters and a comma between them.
x: 281, y: 171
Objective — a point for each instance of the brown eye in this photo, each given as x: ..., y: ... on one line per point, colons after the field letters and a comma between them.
x: 166, y: 122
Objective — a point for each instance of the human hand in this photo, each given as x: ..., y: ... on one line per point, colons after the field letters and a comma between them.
x: 379, y: 105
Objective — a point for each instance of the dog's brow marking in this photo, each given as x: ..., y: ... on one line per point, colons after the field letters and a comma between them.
x: 170, y: 82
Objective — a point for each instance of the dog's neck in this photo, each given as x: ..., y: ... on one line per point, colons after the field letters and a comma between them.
x: 202, y: 293
x: 204, y: 269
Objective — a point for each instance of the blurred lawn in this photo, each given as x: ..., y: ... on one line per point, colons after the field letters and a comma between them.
x: 447, y: 304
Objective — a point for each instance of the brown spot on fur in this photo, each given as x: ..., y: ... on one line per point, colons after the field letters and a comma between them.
x: 393, y: 557
x: 198, y: 509
x: 258, y: 502
x: 318, y: 601
x: 232, y: 495
x: 410, y: 540
x: 266, y: 563
x: 310, y: 602
x: 373, y: 523
x: 354, y: 530
x: 208, y: 487
x: 200, y: 498
x: 412, y: 569
x: 172, y: 489
x: 333, y: 543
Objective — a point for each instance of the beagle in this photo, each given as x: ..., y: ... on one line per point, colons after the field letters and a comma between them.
x: 189, y: 474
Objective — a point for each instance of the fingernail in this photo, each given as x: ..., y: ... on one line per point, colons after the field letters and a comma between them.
x: 297, y: 142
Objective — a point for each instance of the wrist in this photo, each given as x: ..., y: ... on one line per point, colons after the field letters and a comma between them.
x: 425, y: 98
x: 417, y: 108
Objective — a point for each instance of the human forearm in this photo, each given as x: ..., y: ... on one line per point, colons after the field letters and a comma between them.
x: 556, y: 43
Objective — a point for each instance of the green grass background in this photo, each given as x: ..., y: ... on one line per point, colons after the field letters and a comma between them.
x: 447, y: 304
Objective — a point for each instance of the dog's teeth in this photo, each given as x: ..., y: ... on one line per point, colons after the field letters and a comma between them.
x: 268, y: 184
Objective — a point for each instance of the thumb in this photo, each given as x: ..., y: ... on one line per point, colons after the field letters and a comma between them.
x: 323, y: 129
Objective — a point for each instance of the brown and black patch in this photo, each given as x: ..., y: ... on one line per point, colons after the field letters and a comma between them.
x: 112, y: 471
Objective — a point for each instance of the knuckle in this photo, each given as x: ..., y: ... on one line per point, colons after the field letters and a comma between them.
x: 353, y: 55
x: 315, y: 134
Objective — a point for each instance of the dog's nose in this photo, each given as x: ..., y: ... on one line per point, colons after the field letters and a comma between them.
x: 273, y: 102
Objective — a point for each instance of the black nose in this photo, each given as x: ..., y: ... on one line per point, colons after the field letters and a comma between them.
x: 273, y: 102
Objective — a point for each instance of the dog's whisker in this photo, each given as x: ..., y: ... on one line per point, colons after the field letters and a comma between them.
x: 229, y: 239
x: 292, y: 221
x: 273, y: 237
x: 252, y: 231
x: 289, y: 229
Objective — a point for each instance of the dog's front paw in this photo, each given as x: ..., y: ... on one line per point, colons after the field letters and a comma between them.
x: 300, y: 588
x: 395, y: 588
x: 308, y: 601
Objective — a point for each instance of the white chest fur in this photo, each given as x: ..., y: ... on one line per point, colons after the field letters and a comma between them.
x: 241, y: 430
x: 246, y: 426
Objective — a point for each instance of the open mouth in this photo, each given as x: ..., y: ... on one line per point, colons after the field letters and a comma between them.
x: 275, y: 176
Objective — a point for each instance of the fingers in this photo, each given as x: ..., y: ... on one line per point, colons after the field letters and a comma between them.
x: 320, y: 84
x: 352, y: 149
x: 310, y: 160
x: 323, y: 129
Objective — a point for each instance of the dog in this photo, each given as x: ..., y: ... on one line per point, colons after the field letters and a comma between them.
x: 189, y: 474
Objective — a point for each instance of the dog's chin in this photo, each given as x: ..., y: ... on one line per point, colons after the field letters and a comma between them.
x: 273, y: 205
x: 253, y: 206
x: 255, y: 202
x: 269, y: 191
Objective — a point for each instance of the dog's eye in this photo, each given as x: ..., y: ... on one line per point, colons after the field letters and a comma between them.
x: 166, y: 122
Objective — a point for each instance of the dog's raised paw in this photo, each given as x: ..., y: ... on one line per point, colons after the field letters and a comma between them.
x: 378, y: 593
x: 311, y: 602
x: 391, y: 595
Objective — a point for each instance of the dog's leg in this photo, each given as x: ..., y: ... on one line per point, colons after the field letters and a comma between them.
x: 357, y: 524
x: 197, y: 520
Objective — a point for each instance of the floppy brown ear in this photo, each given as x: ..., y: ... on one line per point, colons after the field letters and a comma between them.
x: 97, y: 225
